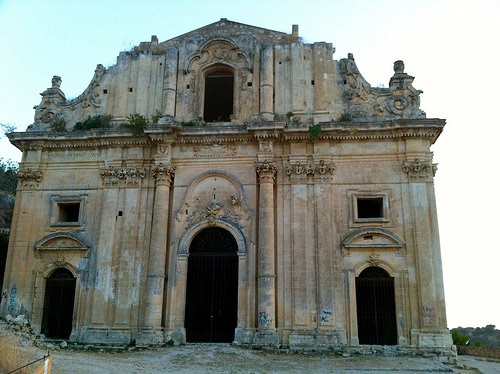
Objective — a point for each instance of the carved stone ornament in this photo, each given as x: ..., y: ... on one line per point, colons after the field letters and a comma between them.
x: 216, y: 211
x: 266, y: 171
x: 265, y: 146
x: 214, y: 150
x: 400, y: 100
x: 30, y: 178
x: 374, y: 259
x: 322, y: 171
x: 418, y: 169
x: 163, y: 173
x: 128, y: 175
x: 163, y: 150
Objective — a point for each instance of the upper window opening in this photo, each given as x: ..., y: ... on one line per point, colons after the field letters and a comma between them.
x: 219, y: 87
x: 371, y: 207
x: 69, y: 212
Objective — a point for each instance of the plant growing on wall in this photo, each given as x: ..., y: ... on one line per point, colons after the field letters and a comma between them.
x: 345, y: 117
x: 59, y: 125
x: 314, y: 131
x: 195, y: 122
x: 137, y: 123
x: 156, y: 117
x: 100, y: 121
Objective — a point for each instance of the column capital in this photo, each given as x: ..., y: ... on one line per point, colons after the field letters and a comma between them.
x: 266, y: 170
x: 163, y: 173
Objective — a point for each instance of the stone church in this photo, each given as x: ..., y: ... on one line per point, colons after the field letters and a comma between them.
x: 273, y: 198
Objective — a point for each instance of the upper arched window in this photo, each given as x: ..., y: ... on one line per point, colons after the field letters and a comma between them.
x: 219, y: 89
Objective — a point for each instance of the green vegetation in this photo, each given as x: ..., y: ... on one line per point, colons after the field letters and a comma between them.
x: 8, y: 176
x: 345, y: 117
x: 156, y: 117
x: 486, y: 336
x: 314, y: 131
x: 6, y: 128
x: 59, y: 125
x: 99, y: 121
x: 137, y: 123
x: 195, y: 122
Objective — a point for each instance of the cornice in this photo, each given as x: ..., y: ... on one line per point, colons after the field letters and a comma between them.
x: 347, y: 131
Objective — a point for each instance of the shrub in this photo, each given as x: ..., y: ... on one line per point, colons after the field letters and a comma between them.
x: 136, y: 123
x: 345, y: 117
x: 314, y: 131
x: 195, y: 122
x: 156, y: 117
x: 59, y: 125
x: 99, y: 121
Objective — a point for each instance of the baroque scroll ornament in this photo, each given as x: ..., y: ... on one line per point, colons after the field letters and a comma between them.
x: 129, y: 175
x: 418, y: 169
x: 30, y: 178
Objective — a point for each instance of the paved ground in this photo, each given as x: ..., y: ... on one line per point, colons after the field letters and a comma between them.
x: 226, y: 359
x: 486, y: 365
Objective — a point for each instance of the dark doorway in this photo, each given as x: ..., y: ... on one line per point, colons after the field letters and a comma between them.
x: 212, y: 287
x: 376, y: 307
x: 218, y: 96
x: 58, y: 304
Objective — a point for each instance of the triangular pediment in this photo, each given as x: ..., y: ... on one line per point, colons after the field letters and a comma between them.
x: 225, y: 28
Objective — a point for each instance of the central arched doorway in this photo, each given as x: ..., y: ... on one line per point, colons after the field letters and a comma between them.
x: 58, y: 304
x: 212, y: 287
x: 219, y: 89
x: 376, y: 309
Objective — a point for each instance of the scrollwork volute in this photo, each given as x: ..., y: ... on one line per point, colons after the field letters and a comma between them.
x: 30, y: 178
x: 266, y: 171
x: 418, y: 169
x: 130, y: 175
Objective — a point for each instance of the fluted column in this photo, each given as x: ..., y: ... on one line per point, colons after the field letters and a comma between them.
x: 266, y: 332
x: 152, y: 334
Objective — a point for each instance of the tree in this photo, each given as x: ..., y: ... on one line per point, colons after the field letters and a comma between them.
x: 458, y: 338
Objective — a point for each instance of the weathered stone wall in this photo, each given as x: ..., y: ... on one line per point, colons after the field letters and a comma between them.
x: 479, y: 351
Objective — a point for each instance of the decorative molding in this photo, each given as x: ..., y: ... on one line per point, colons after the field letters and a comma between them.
x: 374, y: 259
x: 163, y: 173
x: 130, y: 175
x: 371, y: 239
x: 298, y: 171
x: 30, y: 178
x: 266, y: 171
x: 418, y: 169
x: 214, y: 150
x: 266, y: 146
x: 62, y: 241
x: 215, y: 212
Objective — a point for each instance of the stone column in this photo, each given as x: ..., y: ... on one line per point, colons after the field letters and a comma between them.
x: 170, y: 83
x: 266, y: 317
x: 266, y: 84
x: 151, y: 333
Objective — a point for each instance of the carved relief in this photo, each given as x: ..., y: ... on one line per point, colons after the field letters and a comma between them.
x: 128, y: 175
x: 163, y: 150
x: 213, y: 212
x: 374, y: 259
x: 218, y: 51
x: 163, y: 173
x: 214, y: 150
x: 418, y: 169
x: 401, y: 99
x: 298, y: 171
x: 30, y: 178
x: 265, y: 146
x: 266, y: 171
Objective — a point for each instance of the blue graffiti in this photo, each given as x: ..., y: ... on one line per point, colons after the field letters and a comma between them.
x: 264, y: 320
x: 12, y: 300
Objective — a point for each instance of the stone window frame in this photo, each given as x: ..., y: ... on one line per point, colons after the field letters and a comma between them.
x: 55, y: 205
x: 356, y: 195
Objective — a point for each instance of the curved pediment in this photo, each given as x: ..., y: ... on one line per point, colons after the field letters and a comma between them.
x: 370, y: 238
x: 62, y: 241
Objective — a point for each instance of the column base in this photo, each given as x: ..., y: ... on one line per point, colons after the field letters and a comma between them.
x: 149, y: 336
x: 266, y: 338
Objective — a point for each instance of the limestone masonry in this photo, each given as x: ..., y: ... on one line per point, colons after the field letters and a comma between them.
x: 274, y: 198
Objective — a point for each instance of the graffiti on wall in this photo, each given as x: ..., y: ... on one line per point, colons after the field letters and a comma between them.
x: 12, y: 299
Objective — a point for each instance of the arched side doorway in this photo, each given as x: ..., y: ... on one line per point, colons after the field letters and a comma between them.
x: 212, y: 287
x: 219, y: 90
x: 376, y: 309
x: 58, y: 304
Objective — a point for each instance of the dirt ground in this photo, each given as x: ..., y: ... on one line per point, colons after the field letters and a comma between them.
x: 227, y: 359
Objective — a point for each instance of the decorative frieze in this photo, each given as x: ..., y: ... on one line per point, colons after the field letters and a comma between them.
x: 214, y: 150
x: 298, y: 171
x: 419, y: 169
x: 127, y: 175
x: 30, y: 178
x: 216, y: 211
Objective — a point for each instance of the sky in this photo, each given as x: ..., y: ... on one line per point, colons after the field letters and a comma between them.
x: 451, y: 47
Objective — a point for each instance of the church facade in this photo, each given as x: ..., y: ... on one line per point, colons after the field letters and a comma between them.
x: 274, y: 198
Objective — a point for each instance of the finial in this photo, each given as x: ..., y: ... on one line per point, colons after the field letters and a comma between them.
x: 56, y: 81
x: 399, y: 66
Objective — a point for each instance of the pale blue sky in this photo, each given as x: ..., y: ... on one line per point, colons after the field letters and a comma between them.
x: 450, y: 46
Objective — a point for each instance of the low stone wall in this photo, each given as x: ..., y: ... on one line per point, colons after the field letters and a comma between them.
x: 479, y: 351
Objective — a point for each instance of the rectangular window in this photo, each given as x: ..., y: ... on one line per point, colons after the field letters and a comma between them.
x: 66, y: 210
x: 369, y: 207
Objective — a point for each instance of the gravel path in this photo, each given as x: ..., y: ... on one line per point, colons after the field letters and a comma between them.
x: 222, y: 358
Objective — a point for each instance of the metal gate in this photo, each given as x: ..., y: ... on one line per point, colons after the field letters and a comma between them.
x: 212, y: 287
x: 376, y: 308
x: 58, y: 304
